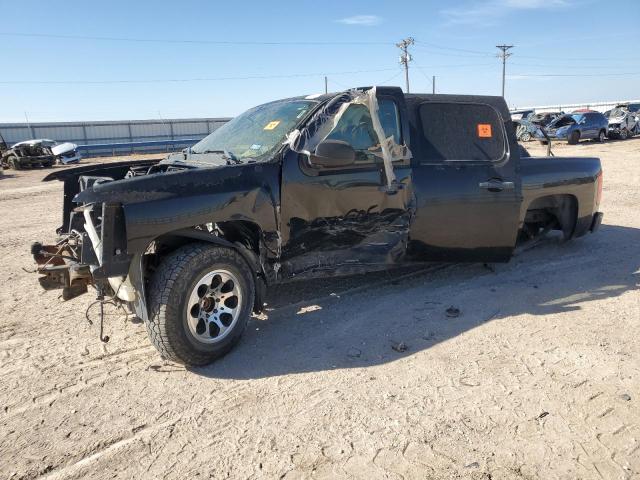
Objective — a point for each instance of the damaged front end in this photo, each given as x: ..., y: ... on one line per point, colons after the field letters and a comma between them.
x: 121, y: 219
x: 90, y: 250
x: 91, y: 253
x: 60, y: 267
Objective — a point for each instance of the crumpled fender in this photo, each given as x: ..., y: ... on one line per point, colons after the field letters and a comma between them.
x: 158, y: 204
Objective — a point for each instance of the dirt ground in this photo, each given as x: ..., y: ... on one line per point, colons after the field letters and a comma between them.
x: 538, y: 378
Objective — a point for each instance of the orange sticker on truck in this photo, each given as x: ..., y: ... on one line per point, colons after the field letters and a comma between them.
x: 484, y: 130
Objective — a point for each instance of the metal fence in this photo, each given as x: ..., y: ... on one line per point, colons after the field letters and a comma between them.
x: 117, y: 137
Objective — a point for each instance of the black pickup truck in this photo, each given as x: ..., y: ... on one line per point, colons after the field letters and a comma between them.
x: 334, y: 184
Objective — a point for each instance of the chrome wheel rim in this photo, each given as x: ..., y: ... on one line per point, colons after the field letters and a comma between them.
x: 214, y: 306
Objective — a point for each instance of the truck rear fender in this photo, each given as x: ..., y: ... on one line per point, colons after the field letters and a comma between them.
x: 563, y: 207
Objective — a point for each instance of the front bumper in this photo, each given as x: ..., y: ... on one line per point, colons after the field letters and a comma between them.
x: 614, y: 132
x: 59, y: 269
x: 69, y: 157
x: 35, y: 161
x: 89, y: 254
x: 558, y: 136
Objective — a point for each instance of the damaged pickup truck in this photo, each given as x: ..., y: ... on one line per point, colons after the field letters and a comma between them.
x: 322, y: 185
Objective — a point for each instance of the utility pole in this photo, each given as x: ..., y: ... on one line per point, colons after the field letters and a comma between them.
x: 433, y: 84
x: 504, y: 55
x: 405, y: 57
x: 326, y: 85
x: 26, y: 117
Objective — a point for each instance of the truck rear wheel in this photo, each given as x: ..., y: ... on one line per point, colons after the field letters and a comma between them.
x: 200, y: 301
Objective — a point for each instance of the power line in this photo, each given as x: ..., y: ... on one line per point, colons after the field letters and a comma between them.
x: 621, y: 74
x: 430, y: 80
x: 454, y: 49
x: 182, y: 80
x: 393, y: 77
x: 478, y: 54
x: 187, y: 41
x: 471, y: 53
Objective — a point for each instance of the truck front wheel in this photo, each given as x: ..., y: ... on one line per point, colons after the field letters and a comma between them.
x: 200, y: 300
x: 14, y: 163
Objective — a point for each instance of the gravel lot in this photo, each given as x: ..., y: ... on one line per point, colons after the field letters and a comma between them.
x: 539, y: 377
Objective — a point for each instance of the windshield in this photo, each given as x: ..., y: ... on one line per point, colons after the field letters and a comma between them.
x: 257, y: 131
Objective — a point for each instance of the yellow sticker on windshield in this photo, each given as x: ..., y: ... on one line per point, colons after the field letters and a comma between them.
x: 272, y: 125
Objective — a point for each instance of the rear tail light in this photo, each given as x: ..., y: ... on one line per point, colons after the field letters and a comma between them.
x: 599, y: 192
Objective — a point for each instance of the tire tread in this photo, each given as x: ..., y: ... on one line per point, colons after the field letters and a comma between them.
x: 174, y: 269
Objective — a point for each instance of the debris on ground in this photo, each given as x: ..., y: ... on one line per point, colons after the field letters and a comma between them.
x: 354, y: 353
x: 452, y: 312
x: 428, y: 335
x: 399, y: 347
x: 310, y: 308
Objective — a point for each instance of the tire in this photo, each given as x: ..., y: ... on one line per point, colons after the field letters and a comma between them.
x: 601, y: 136
x: 525, y: 137
x: 574, y: 138
x: 184, y: 322
x: 624, y: 134
x: 14, y: 163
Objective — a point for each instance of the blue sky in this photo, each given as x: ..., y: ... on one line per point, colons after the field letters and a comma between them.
x: 454, y: 41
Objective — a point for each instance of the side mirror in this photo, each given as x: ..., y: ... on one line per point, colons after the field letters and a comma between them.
x: 332, y: 154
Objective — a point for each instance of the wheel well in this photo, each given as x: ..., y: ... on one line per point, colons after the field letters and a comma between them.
x: 243, y: 236
x: 557, y: 212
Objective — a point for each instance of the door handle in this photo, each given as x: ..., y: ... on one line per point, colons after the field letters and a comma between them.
x: 497, y: 185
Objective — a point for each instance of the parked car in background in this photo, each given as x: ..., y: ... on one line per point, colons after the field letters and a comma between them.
x: 521, y: 114
x: 39, y: 153
x: 545, y: 118
x: 622, y: 123
x: 526, y: 130
x: 3, y: 148
x: 64, y: 153
x: 578, y: 126
x: 28, y: 154
x: 632, y: 107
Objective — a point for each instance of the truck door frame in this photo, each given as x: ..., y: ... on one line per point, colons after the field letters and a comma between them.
x: 345, y: 220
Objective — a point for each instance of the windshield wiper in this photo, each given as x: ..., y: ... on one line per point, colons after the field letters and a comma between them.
x: 226, y: 155
x: 229, y: 155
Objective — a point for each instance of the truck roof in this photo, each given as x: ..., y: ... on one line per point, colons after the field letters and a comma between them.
x: 497, y: 102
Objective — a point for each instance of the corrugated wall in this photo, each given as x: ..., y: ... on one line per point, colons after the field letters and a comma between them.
x: 116, y: 132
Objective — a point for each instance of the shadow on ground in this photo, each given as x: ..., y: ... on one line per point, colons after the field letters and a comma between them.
x: 365, y: 327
